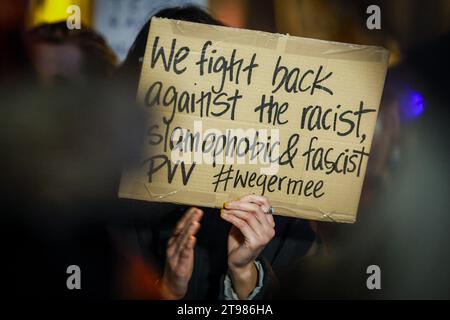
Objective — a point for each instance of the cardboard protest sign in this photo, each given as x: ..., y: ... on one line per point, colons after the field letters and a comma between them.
x: 233, y: 112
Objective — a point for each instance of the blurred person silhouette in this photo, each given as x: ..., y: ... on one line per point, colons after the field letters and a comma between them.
x: 63, y: 55
x: 15, y: 65
x: 234, y: 255
x: 62, y: 149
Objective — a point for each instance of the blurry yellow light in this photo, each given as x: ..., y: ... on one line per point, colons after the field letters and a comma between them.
x: 49, y: 11
x: 395, y: 56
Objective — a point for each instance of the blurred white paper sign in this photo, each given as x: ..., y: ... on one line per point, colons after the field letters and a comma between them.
x: 119, y: 21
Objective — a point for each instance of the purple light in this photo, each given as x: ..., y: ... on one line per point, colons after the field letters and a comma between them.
x: 412, y: 105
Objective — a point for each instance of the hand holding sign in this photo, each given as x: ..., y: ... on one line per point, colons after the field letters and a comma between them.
x: 252, y: 230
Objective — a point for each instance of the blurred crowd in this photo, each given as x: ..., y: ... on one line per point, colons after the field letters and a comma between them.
x: 68, y: 121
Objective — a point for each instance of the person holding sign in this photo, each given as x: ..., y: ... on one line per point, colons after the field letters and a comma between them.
x: 253, y: 228
x: 204, y: 253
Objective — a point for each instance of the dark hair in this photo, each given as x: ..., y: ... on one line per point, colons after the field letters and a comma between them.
x: 99, y: 59
x: 131, y: 67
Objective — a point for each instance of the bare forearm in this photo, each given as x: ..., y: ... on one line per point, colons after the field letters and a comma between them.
x: 244, y: 280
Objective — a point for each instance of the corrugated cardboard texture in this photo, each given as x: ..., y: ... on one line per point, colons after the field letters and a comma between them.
x: 347, y: 76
